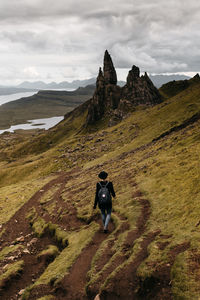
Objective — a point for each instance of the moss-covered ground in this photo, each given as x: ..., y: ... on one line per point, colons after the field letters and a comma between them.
x: 152, y: 158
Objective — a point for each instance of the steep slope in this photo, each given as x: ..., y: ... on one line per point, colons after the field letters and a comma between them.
x: 59, y: 250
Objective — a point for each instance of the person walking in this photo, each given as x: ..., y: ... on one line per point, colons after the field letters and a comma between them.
x: 103, y: 197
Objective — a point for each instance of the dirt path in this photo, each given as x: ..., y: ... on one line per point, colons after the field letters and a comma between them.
x: 127, y: 245
x: 72, y: 287
x: 75, y: 282
x: 18, y: 227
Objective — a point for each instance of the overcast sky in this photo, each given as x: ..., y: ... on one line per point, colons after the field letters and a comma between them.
x: 57, y: 40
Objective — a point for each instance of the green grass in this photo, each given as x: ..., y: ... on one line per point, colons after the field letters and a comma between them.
x: 48, y: 297
x: 51, y: 252
x: 13, y: 196
x: 39, y: 226
x: 60, y: 235
x: 8, y: 250
x: 170, y: 182
x: 61, y: 265
x: 11, y: 271
x: 167, y: 172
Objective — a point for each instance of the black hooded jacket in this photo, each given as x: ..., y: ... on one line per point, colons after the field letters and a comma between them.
x: 98, y: 187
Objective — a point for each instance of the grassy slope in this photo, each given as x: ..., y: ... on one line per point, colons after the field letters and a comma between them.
x: 167, y: 172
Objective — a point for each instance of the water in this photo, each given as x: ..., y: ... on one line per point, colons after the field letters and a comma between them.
x: 12, y: 97
x: 33, y: 124
x: 7, y: 98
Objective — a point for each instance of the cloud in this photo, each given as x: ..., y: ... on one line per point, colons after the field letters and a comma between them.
x: 71, y: 36
x: 30, y: 72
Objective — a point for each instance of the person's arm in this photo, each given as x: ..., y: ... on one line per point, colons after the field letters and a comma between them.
x: 112, y: 190
x: 96, y: 196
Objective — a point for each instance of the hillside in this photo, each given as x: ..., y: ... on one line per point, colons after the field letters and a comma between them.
x: 52, y: 244
x: 161, y: 79
x: 44, y: 104
x: 172, y: 88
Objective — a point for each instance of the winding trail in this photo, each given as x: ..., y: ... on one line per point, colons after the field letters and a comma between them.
x: 72, y: 286
x: 18, y: 227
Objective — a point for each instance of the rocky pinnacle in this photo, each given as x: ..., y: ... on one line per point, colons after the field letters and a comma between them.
x: 109, y: 70
x: 111, y: 100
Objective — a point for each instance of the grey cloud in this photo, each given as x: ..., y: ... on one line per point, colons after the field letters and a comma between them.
x: 157, y: 35
x: 28, y: 38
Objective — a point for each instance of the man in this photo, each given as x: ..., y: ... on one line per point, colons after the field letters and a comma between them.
x: 104, y: 190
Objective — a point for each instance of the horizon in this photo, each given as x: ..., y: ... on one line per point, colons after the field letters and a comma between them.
x: 123, y: 78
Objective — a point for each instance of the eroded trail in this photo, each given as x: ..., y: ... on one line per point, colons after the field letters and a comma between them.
x: 18, y: 232
x: 75, y: 282
x: 117, y: 259
x: 102, y: 260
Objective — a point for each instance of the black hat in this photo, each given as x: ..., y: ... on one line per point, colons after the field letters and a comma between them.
x: 103, y: 175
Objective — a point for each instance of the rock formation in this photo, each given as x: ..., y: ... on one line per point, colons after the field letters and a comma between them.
x: 97, y: 106
x: 107, y: 94
x: 140, y: 90
x: 109, y: 72
x: 111, y: 100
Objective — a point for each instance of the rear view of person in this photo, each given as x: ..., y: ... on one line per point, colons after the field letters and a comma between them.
x: 103, y: 197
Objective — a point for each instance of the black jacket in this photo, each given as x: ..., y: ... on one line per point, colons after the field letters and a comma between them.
x: 98, y: 187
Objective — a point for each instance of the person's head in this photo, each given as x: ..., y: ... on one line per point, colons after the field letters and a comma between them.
x: 103, y: 175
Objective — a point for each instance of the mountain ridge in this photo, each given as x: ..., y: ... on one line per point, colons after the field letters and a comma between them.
x: 158, y: 81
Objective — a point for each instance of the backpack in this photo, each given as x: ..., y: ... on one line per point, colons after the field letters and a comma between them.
x: 104, y: 195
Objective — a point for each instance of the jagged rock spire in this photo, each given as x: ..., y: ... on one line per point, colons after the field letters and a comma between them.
x: 133, y: 74
x: 100, y: 79
x: 109, y: 72
x: 110, y: 99
x: 140, y: 90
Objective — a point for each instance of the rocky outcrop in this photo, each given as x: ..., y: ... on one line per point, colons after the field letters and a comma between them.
x: 109, y: 72
x: 140, y: 90
x: 110, y: 100
x: 97, y: 106
x: 107, y: 94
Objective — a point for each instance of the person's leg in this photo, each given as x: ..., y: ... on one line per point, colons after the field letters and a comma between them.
x: 103, y: 215
x: 107, y: 220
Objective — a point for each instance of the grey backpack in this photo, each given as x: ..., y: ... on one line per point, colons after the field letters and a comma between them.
x: 104, y: 194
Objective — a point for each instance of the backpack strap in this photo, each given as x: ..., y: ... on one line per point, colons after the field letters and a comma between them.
x: 105, y: 184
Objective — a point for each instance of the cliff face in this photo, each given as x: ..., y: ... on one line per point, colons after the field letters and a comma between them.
x: 110, y: 98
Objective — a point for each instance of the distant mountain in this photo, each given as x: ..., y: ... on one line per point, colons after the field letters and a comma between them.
x: 53, y: 85
x: 159, y: 80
